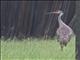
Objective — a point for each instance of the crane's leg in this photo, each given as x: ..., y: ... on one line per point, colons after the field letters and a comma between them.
x: 65, y: 43
x: 61, y: 44
x: 61, y: 47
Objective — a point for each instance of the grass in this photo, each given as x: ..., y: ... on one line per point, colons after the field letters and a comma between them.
x: 36, y: 49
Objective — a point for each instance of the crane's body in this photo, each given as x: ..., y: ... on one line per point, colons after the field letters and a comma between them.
x: 64, y: 32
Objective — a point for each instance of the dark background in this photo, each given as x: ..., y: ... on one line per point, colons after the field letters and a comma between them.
x: 24, y: 19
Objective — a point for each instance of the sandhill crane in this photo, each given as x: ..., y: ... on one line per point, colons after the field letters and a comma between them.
x: 64, y: 32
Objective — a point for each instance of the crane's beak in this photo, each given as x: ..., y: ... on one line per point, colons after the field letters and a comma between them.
x: 52, y: 13
x: 56, y: 12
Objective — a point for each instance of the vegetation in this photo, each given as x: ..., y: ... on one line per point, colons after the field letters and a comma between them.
x: 36, y: 49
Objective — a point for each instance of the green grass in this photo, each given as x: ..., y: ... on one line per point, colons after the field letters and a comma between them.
x: 36, y: 49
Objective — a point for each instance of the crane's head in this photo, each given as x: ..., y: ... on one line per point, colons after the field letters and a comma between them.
x: 56, y: 12
x: 59, y: 12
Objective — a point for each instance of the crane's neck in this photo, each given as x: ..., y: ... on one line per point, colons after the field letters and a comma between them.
x: 59, y: 19
x: 61, y: 24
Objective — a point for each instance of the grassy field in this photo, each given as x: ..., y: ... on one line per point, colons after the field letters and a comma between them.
x: 36, y: 49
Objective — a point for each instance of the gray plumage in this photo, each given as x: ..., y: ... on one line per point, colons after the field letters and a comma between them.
x: 64, y: 32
